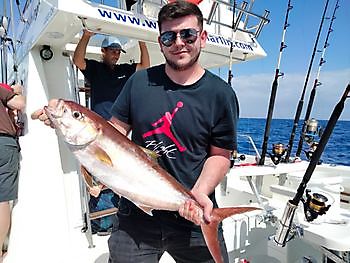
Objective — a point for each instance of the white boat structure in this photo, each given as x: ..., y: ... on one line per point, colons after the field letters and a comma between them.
x: 51, y: 213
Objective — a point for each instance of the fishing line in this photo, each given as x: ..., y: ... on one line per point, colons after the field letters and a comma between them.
x: 274, y: 87
x: 301, y: 101
x: 316, y: 83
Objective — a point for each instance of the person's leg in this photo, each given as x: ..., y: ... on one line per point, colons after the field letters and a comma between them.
x: 9, y: 167
x: 106, y: 202
x: 137, y: 238
x: 5, y: 220
x: 187, y: 245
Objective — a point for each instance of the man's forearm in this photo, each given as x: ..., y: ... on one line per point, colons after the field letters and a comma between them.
x: 214, y: 170
x: 144, y: 56
x: 80, y: 52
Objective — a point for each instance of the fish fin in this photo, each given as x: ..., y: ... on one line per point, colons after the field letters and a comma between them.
x: 103, y: 156
x: 89, y: 181
x: 209, y: 230
x: 146, y: 209
x: 151, y: 154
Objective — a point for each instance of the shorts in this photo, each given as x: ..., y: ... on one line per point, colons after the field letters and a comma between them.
x: 9, y: 168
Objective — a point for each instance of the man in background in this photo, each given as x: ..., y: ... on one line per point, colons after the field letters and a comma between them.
x: 106, y: 77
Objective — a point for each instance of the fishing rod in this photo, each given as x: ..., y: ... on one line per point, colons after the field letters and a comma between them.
x: 316, y: 84
x: 315, y: 204
x: 274, y: 88
x: 301, y: 101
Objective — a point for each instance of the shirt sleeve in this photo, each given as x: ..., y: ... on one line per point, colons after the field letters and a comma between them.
x: 6, y: 95
x: 224, y: 133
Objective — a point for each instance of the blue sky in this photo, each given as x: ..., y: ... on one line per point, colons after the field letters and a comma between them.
x: 252, y: 80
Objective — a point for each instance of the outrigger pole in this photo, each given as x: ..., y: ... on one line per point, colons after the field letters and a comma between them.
x: 3, y: 44
x: 285, y: 224
x: 301, y: 101
x: 230, y: 76
x: 316, y: 84
x: 274, y: 88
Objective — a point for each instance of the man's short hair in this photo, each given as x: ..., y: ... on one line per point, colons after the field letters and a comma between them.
x: 179, y: 9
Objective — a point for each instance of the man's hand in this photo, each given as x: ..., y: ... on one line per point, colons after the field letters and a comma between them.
x: 40, y: 114
x: 88, y: 33
x: 192, y: 212
x: 95, y: 190
x: 17, y: 88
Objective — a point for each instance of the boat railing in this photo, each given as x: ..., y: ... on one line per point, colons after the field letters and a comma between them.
x: 217, y: 12
x: 252, y: 143
x: 242, y: 18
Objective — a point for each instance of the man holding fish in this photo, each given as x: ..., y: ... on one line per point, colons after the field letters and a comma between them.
x: 185, y: 114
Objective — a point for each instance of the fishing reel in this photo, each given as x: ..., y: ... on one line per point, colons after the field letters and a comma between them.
x: 278, y: 151
x: 314, y: 205
x: 311, y: 151
x: 235, y: 158
x: 312, y: 131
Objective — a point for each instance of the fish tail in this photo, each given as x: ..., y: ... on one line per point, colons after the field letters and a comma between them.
x: 210, y: 230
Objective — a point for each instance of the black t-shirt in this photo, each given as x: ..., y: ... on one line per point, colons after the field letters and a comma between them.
x: 106, y: 83
x: 179, y: 122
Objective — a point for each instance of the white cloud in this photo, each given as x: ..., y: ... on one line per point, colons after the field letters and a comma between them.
x: 254, y: 91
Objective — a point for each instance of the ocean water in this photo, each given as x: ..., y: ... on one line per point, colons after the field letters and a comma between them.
x: 337, y: 150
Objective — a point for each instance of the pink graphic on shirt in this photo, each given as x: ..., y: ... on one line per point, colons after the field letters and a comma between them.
x: 165, y: 128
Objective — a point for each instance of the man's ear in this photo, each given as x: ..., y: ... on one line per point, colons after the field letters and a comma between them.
x: 203, y: 38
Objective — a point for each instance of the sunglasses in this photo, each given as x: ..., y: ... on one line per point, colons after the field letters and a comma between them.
x: 188, y: 35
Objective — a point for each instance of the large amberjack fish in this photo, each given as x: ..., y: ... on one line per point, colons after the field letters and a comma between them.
x: 125, y: 168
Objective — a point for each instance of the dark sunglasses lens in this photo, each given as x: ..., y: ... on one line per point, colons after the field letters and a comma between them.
x: 168, y: 38
x: 187, y: 33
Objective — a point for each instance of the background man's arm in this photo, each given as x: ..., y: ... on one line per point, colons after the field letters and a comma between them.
x: 80, y: 50
x: 144, y: 57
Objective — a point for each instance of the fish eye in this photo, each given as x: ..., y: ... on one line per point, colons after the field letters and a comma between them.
x: 77, y: 115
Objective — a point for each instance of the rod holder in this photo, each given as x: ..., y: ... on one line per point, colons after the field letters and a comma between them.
x: 285, y: 224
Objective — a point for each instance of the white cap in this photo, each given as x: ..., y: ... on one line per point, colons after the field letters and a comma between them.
x: 112, y: 42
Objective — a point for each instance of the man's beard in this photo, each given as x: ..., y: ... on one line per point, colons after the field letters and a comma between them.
x: 178, y: 67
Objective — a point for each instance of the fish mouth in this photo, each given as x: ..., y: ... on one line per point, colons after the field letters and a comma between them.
x: 54, y: 113
x: 62, y: 120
